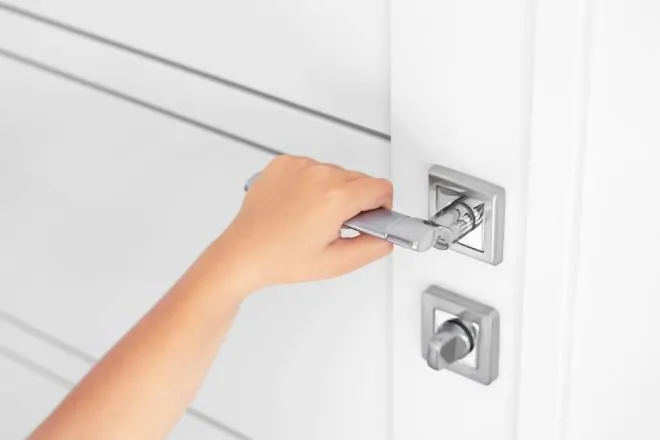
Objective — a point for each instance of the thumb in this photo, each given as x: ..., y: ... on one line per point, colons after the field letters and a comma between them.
x: 348, y: 254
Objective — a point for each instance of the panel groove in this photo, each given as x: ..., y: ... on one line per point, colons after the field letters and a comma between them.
x: 35, y: 368
x: 553, y: 205
x: 190, y: 70
x: 573, y: 261
x: 52, y: 376
x: 204, y: 104
x: 45, y: 337
x: 527, y: 138
x: 127, y: 98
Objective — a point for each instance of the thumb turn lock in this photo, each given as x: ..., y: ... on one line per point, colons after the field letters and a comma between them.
x: 453, y: 341
x: 459, y: 205
x: 460, y: 334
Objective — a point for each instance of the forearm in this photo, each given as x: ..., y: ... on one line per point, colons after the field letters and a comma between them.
x: 143, y: 385
x: 287, y: 231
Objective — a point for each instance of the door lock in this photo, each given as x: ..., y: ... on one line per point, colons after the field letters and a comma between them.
x: 459, y: 205
x: 460, y: 335
x: 453, y: 341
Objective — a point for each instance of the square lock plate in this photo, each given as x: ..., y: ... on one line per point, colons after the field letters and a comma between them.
x: 484, y: 366
x: 486, y: 242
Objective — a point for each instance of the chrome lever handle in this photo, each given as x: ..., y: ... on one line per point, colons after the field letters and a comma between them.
x: 445, y: 228
x: 409, y: 232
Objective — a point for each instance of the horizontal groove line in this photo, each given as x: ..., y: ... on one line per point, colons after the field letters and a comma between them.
x: 193, y: 71
x: 144, y: 104
x: 35, y: 368
x: 46, y: 338
x: 47, y: 373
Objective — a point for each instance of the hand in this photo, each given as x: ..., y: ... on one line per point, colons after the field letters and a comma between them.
x: 288, y: 229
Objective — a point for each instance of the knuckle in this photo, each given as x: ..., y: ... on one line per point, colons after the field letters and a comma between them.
x: 385, y: 188
x: 279, y: 163
x: 328, y: 169
x: 323, y: 173
x: 321, y: 170
x: 280, y: 160
x: 332, y: 166
x: 304, y: 161
x: 287, y: 161
x: 386, y: 185
x: 337, y: 196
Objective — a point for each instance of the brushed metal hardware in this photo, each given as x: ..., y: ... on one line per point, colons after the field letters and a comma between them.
x: 454, y: 327
x: 453, y: 341
x: 408, y: 232
x: 446, y: 186
x: 458, y: 205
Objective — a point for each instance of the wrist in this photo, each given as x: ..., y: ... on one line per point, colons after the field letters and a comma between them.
x: 235, y: 265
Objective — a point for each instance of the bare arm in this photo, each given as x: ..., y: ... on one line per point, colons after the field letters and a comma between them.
x: 286, y: 231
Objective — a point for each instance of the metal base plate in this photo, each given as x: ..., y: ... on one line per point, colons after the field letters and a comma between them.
x: 485, y: 366
x: 447, y: 185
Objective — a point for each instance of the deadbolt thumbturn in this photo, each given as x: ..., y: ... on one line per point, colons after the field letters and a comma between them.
x: 451, y: 342
x: 460, y: 334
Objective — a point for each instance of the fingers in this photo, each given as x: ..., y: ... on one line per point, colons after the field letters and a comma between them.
x: 339, y: 173
x: 287, y: 162
x: 348, y: 254
x: 362, y: 193
x: 313, y: 199
x: 370, y: 193
x: 354, y: 175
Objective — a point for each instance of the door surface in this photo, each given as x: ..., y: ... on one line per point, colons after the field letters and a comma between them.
x: 557, y: 101
x: 105, y: 205
x: 127, y: 131
x: 330, y: 57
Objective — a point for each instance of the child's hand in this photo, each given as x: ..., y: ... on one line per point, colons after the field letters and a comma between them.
x: 288, y: 227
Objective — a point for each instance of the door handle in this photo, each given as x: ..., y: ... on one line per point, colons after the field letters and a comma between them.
x: 455, y: 210
x: 402, y: 230
x: 440, y: 231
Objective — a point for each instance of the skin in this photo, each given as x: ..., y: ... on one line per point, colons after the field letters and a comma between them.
x: 143, y: 385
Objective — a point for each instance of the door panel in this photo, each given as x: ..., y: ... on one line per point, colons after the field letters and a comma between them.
x: 107, y: 203
x: 25, y: 398
x: 331, y: 56
x: 192, y: 98
x: 29, y: 392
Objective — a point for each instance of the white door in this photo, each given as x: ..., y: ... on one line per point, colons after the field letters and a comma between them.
x: 118, y: 168
x: 557, y: 101
x: 127, y: 130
